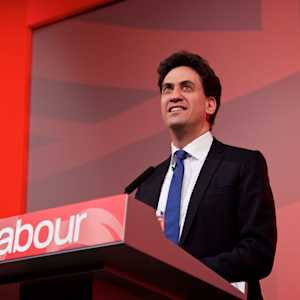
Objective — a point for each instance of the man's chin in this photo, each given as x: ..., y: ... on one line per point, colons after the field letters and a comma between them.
x: 176, y: 125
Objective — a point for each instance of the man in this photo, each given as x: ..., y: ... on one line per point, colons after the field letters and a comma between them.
x: 225, y: 215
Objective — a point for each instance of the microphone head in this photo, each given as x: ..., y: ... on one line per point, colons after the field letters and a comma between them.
x: 139, y: 180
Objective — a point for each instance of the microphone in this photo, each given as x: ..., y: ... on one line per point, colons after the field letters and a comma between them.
x: 173, y: 166
x: 139, y: 180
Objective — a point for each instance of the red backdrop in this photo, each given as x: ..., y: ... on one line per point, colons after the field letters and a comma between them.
x: 17, y: 19
x: 269, y: 58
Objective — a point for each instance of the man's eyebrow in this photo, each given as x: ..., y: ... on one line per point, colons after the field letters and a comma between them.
x: 181, y: 83
x: 187, y: 82
x: 167, y: 84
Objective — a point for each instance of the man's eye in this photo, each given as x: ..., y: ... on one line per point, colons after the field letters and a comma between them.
x: 167, y: 89
x: 187, y: 88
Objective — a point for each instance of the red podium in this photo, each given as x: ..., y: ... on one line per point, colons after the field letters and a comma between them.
x: 109, y: 248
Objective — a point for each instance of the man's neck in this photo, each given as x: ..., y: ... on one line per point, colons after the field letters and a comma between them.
x: 180, y: 138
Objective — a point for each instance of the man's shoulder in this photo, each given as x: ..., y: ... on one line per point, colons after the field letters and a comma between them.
x: 240, y: 153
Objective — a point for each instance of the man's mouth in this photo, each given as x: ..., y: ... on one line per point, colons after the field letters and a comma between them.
x: 176, y: 108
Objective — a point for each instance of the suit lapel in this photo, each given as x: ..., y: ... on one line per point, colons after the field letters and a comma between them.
x: 210, y: 166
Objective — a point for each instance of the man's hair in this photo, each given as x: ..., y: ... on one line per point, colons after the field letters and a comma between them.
x: 210, y: 81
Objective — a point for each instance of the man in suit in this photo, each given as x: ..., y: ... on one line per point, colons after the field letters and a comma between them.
x: 226, y: 214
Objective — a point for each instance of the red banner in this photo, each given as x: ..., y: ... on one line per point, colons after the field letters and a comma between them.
x: 86, y: 224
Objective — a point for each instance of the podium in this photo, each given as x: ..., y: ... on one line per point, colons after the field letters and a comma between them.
x: 108, y: 248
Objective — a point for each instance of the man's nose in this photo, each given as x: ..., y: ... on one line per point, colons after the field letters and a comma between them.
x: 176, y: 95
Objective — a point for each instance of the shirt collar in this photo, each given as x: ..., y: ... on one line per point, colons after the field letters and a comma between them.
x: 197, y: 148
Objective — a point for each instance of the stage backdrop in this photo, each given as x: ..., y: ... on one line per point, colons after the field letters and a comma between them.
x: 94, y: 106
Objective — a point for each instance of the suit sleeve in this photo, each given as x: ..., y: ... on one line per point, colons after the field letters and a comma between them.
x: 252, y: 258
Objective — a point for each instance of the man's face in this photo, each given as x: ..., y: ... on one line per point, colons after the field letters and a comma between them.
x: 183, y: 102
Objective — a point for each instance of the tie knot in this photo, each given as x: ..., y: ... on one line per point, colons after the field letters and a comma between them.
x: 181, y: 154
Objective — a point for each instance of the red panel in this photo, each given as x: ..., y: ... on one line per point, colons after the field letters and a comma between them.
x: 85, y: 224
x: 43, y: 12
x: 14, y: 61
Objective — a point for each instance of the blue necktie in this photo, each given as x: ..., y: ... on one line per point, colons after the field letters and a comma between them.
x: 172, y: 212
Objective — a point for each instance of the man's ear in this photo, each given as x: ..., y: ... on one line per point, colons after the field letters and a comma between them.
x: 211, y: 105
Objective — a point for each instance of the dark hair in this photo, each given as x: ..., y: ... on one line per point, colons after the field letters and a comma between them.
x: 210, y: 81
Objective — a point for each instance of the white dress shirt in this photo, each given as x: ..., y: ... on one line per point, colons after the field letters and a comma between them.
x: 197, y: 151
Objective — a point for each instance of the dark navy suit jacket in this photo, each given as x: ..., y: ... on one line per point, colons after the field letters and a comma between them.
x: 230, y: 224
